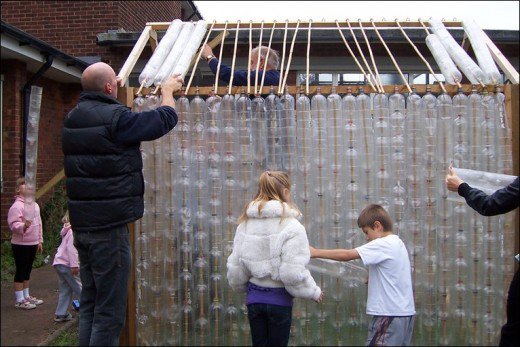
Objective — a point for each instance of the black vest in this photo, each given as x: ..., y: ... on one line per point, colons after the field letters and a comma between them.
x: 104, y: 178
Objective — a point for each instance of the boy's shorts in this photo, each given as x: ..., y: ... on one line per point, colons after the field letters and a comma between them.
x: 390, y: 331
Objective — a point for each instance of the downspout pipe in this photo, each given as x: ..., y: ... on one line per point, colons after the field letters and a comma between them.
x: 26, y: 94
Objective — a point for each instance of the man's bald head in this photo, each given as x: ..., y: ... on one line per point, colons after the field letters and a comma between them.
x: 99, y: 77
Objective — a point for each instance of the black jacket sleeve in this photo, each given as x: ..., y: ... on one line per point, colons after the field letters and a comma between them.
x: 145, y: 126
x: 501, y: 201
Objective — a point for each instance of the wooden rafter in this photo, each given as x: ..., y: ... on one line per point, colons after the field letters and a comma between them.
x: 315, y: 25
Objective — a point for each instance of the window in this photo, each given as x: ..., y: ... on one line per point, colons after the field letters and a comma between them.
x: 427, y: 78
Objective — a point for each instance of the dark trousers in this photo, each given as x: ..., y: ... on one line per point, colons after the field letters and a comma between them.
x: 23, y: 261
x: 105, y: 259
x: 510, y: 334
x: 270, y: 324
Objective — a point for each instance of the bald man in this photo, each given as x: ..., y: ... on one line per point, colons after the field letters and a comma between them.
x: 101, y: 141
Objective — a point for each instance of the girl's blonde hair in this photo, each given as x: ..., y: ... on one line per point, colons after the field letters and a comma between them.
x: 65, y: 218
x: 270, y: 187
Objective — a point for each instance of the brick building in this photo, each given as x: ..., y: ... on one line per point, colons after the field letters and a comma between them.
x: 63, y: 34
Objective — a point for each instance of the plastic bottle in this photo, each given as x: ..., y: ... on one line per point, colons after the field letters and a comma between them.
x: 382, y: 151
x: 459, y: 56
x: 443, y: 60
x: 189, y: 50
x: 245, y: 179
x: 287, y: 135
x: 461, y: 134
x: 337, y: 173
x: 173, y: 56
x: 319, y: 169
x: 305, y: 136
x: 485, y: 61
x: 161, y: 51
x: 273, y: 126
x: 258, y: 135
x: 353, y: 196
x: 396, y: 106
x: 31, y: 152
x: 366, y: 146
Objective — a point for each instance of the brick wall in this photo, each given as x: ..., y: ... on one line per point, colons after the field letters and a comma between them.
x: 133, y: 15
x: 57, y: 100
x: 14, y: 79
x: 71, y: 26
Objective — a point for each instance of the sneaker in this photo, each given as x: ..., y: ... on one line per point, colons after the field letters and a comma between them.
x: 34, y: 300
x: 75, y: 305
x: 24, y: 305
x: 63, y: 318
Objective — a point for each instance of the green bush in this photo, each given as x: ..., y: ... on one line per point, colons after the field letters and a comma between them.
x: 7, y: 262
x: 51, y: 214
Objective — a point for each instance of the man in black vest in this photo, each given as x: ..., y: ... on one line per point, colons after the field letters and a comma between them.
x: 101, y: 139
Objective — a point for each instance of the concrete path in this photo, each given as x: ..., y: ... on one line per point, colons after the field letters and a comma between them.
x: 32, y: 327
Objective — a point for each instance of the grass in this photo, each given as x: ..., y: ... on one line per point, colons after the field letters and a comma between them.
x: 51, y: 214
x: 68, y: 337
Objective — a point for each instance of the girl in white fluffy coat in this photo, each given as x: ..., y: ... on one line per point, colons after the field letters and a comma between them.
x: 268, y: 261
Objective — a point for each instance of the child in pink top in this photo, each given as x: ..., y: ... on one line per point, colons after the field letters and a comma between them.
x: 27, y: 239
x: 66, y: 264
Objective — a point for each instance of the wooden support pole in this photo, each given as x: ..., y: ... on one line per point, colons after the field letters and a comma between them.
x: 512, y: 95
x: 49, y: 185
x: 128, y: 335
x: 501, y: 60
x: 134, y: 55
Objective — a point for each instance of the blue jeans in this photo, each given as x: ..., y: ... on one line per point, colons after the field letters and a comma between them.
x: 69, y: 285
x: 270, y: 324
x: 105, y: 258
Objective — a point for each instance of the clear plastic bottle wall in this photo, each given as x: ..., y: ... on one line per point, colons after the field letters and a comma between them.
x: 31, y: 151
x: 199, y: 177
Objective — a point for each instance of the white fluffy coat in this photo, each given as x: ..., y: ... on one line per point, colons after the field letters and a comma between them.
x: 272, y: 251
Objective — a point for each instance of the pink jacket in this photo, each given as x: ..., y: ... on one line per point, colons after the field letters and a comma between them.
x: 34, y: 234
x: 67, y: 254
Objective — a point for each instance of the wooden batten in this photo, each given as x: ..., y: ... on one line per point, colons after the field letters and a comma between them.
x: 501, y: 61
x: 326, y: 89
x: 315, y: 25
x: 134, y: 55
x: 512, y: 95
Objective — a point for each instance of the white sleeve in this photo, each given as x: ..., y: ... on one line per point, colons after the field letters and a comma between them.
x: 373, y: 252
x: 293, y: 273
x: 237, y: 275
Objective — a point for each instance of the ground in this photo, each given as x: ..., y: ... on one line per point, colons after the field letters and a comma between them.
x: 32, y: 327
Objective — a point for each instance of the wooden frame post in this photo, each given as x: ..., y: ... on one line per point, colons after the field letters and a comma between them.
x: 128, y: 335
x: 511, y: 92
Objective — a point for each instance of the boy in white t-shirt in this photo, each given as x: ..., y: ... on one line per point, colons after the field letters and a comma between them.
x: 390, y: 296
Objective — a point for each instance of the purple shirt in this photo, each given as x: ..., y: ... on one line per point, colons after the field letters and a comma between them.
x: 263, y: 295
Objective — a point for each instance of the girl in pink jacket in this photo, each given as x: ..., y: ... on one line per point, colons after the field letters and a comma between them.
x: 66, y: 264
x: 27, y: 239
